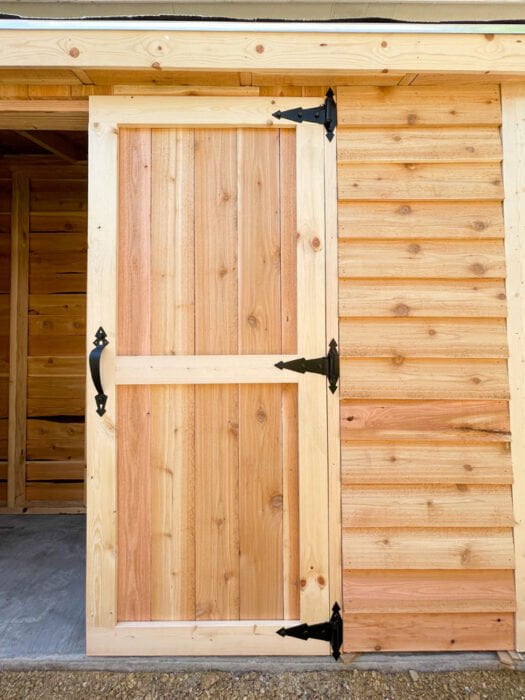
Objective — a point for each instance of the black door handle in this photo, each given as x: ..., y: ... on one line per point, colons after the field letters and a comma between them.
x: 100, y: 343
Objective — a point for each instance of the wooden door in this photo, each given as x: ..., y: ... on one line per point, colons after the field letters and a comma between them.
x: 208, y: 521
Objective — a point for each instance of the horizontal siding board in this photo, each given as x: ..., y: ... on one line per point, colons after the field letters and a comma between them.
x: 420, y: 548
x: 50, y: 439
x: 72, y: 492
x: 419, y: 145
x: 428, y: 591
x: 424, y: 258
x: 444, y: 105
x: 405, y: 337
x: 433, y: 506
x: 55, y: 471
x: 395, y: 463
x: 422, y: 298
x: 464, y: 421
x: 399, y: 378
x: 420, y: 219
x: 488, y: 631
x: 470, y: 181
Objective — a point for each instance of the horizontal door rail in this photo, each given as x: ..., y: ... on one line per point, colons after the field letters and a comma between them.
x: 203, y: 369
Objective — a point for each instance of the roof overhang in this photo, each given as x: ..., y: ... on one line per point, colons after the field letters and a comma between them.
x: 294, y: 47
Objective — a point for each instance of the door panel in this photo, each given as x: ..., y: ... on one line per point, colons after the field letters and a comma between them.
x: 213, y: 459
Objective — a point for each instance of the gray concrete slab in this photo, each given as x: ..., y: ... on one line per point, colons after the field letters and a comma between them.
x: 42, y: 572
x: 42, y: 615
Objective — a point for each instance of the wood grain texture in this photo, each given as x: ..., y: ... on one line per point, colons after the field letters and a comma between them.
x: 443, y: 105
x: 423, y: 548
x: 134, y: 403
x: 216, y: 329
x: 426, y: 298
x: 420, y: 463
x: 419, y: 145
x: 453, y: 505
x: 469, y: 181
x: 172, y: 332
x: 406, y: 337
x: 513, y: 133
x: 424, y: 258
x: 429, y: 632
x: 400, y: 378
x: 420, y: 219
x: 415, y: 591
x: 464, y: 421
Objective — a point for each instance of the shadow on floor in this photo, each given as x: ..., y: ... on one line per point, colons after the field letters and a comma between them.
x: 42, y: 572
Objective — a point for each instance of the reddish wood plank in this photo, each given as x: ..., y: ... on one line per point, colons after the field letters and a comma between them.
x: 134, y: 402
x: 428, y: 591
x: 486, y: 421
x: 429, y: 632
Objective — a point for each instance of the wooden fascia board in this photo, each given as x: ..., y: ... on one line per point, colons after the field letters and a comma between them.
x: 262, y: 51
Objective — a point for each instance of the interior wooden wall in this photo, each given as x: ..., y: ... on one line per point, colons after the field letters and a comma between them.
x: 5, y: 237
x: 55, y: 375
x: 427, y: 511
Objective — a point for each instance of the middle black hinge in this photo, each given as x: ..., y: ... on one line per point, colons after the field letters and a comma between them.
x: 325, y: 114
x: 327, y: 365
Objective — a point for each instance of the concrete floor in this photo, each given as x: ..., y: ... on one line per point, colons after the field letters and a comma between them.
x: 42, y: 615
x: 42, y: 571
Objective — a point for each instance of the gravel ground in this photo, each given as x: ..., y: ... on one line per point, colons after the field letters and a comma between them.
x: 352, y: 684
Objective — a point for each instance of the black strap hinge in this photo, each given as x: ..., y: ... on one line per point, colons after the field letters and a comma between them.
x: 331, y: 631
x: 328, y: 366
x: 325, y: 114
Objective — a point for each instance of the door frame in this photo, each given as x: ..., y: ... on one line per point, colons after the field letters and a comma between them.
x: 317, y: 264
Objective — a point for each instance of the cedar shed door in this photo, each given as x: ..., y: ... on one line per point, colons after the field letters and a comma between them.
x: 207, y: 473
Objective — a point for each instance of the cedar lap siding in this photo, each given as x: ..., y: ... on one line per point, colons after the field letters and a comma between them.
x: 426, y: 473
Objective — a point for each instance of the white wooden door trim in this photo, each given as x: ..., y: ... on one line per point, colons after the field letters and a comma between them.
x: 104, y: 634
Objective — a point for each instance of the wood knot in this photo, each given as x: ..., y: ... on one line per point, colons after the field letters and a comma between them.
x: 321, y: 581
x: 398, y: 360
x: 276, y: 501
x: 489, y: 37
x: 384, y: 44
x: 223, y: 271
x: 476, y: 380
x: 411, y: 118
x: 462, y: 487
x: 386, y: 541
x: 478, y: 269
x: 252, y: 321
x: 466, y: 555
x: 467, y: 467
x: 259, y: 48
x: 315, y: 243
x: 377, y: 647
x: 414, y: 248
x: 431, y: 331
x: 404, y: 209
x: 350, y: 418
x: 393, y: 458
x: 74, y: 52
x: 479, y: 225
x: 261, y: 415
x: 303, y: 583
x: 502, y: 296
x: 410, y: 166
x: 401, y: 310
x: 156, y: 65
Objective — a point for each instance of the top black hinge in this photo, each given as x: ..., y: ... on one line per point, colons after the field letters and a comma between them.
x: 325, y: 114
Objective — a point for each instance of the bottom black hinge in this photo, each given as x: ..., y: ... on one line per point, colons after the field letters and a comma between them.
x: 331, y: 631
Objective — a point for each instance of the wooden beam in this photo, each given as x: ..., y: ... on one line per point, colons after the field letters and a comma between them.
x: 16, y: 476
x: 57, y: 144
x: 45, y: 115
x: 513, y: 135
x: 262, y: 51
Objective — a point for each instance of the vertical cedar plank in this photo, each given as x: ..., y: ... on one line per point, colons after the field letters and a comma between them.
x: 289, y: 428
x: 513, y: 135
x: 172, y: 333
x: 216, y: 407
x: 17, y: 424
x: 260, y: 471
x: 134, y: 402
